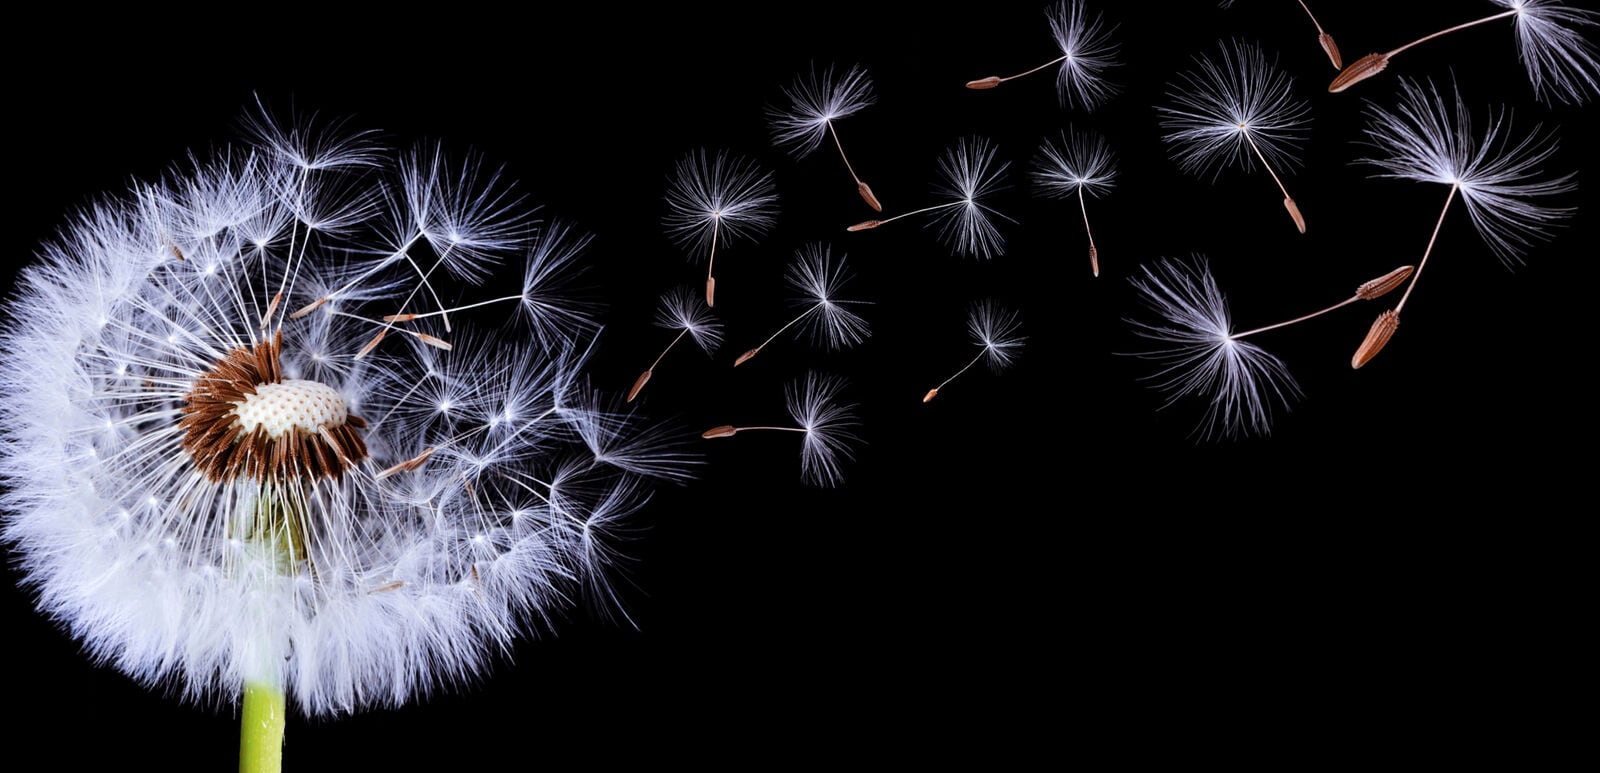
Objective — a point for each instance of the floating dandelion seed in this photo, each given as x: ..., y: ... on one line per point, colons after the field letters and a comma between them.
x: 817, y: 279
x: 1086, y: 53
x: 816, y: 101
x: 1323, y: 38
x: 226, y: 499
x: 1560, y: 57
x: 1237, y: 108
x: 1496, y: 176
x: 967, y: 176
x: 680, y: 310
x: 997, y: 331
x: 829, y: 427
x: 1201, y: 356
x: 1080, y: 164
x: 718, y: 198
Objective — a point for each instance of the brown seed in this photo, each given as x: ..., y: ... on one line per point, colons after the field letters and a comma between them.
x: 266, y: 319
x: 437, y: 343
x: 1382, y: 330
x: 389, y: 586
x: 1333, y: 50
x: 308, y: 308
x: 1094, y: 264
x: 746, y: 356
x: 984, y: 83
x: 176, y: 253
x: 1383, y: 285
x: 931, y: 394
x: 1294, y: 212
x: 866, y: 195
x: 1359, y: 70
x: 711, y: 291
x: 373, y: 344
x: 864, y: 225
x: 399, y: 317
x: 638, y: 384
x: 726, y: 430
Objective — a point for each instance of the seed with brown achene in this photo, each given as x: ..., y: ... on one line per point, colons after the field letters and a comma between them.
x: 1382, y: 330
x: 726, y: 430
x: 1383, y: 285
x: 866, y: 195
x: 984, y: 83
x: 1333, y: 50
x: 864, y: 225
x: 1359, y: 70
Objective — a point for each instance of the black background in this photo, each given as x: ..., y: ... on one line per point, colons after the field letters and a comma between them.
x: 1037, y: 560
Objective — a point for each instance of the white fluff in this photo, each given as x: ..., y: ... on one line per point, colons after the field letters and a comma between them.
x: 405, y: 582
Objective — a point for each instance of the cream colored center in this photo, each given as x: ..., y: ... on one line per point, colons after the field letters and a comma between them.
x: 292, y: 404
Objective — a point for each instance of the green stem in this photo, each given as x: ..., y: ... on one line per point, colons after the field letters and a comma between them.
x: 261, y: 729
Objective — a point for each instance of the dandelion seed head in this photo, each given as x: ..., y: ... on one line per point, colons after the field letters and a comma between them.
x: 829, y: 423
x: 1198, y: 355
x: 816, y: 278
x: 1077, y: 160
x: 1499, y: 173
x: 718, y: 196
x: 815, y: 100
x: 968, y: 175
x: 998, y: 331
x: 207, y: 490
x: 682, y: 309
x: 1556, y: 45
x: 1235, y: 103
x: 1089, y: 52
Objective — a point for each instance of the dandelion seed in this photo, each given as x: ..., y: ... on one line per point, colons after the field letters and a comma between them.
x: 1496, y: 175
x: 1086, y: 54
x: 718, y: 198
x: 679, y: 310
x: 817, y: 279
x: 997, y: 332
x: 816, y: 101
x: 967, y: 176
x: 267, y: 515
x: 1236, y: 109
x: 1561, y: 59
x: 829, y: 427
x: 1201, y: 356
x: 1080, y: 164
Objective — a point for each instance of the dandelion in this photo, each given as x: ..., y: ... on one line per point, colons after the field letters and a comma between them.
x: 828, y: 427
x: 967, y: 176
x: 680, y: 310
x: 1236, y: 109
x: 1328, y: 46
x: 718, y: 197
x: 817, y: 279
x: 816, y: 101
x: 247, y: 505
x: 1496, y: 175
x: 1086, y: 53
x: 1080, y: 164
x: 1201, y: 356
x: 997, y: 331
x: 1552, y: 41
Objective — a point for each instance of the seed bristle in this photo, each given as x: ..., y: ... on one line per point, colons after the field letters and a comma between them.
x: 726, y: 430
x: 984, y: 83
x: 1333, y: 50
x: 1382, y: 330
x: 1359, y: 70
x: 866, y: 195
x: 1383, y: 285
x: 638, y: 384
